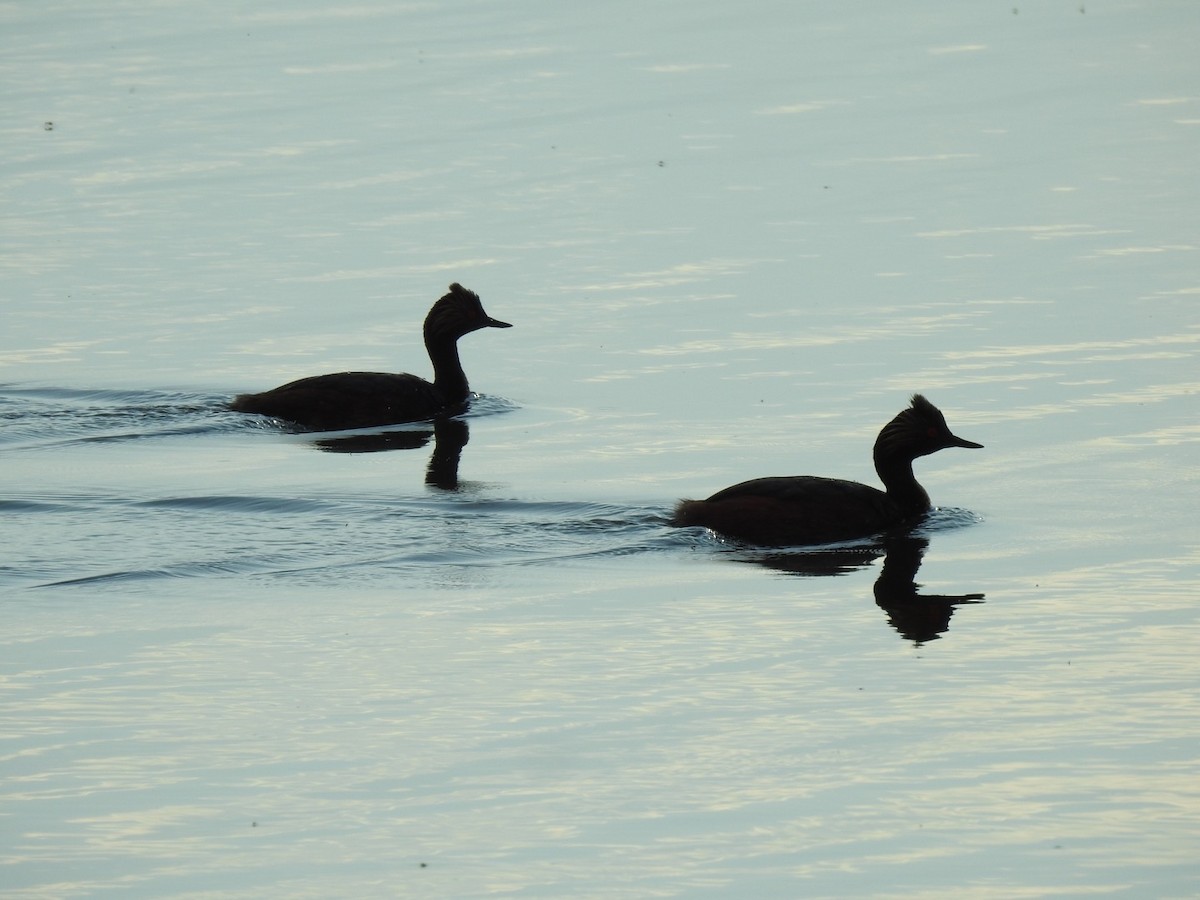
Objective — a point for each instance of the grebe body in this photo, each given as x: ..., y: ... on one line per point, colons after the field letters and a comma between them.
x: 806, y: 509
x: 345, y: 400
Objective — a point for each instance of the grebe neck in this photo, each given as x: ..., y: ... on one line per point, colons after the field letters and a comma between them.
x: 902, y: 486
x: 448, y: 375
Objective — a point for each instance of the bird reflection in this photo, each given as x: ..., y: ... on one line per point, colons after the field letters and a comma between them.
x: 449, y: 438
x: 918, y: 617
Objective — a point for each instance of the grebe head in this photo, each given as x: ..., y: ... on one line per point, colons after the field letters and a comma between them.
x: 457, y: 313
x: 917, y: 431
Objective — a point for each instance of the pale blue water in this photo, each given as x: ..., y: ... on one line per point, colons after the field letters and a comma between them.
x: 239, y: 661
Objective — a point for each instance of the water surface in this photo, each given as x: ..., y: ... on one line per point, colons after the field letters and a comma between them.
x: 473, y: 659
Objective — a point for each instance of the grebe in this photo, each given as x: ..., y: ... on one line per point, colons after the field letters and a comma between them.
x: 806, y: 509
x: 367, y: 399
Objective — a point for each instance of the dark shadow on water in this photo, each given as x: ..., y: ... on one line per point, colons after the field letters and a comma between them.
x: 449, y: 436
x: 918, y: 617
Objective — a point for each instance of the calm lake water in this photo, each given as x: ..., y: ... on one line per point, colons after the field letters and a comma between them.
x: 733, y: 240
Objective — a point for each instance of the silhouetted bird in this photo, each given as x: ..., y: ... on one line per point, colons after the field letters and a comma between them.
x: 805, y: 509
x: 367, y: 399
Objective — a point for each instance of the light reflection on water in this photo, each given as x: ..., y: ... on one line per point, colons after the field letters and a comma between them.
x: 248, y: 661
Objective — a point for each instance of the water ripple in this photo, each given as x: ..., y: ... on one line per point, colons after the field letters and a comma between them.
x: 48, y: 417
